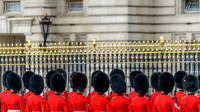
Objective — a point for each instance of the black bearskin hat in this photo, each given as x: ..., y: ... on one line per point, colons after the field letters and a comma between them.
x: 166, y: 82
x: 118, y: 84
x: 26, y: 77
x: 141, y: 84
x: 132, y: 76
x: 62, y: 72
x: 57, y: 83
x: 92, y: 78
x: 48, y: 77
x: 5, y: 78
x: 190, y: 83
x: 178, y: 78
x: 117, y: 72
x: 79, y: 81
x: 36, y: 84
x: 14, y: 82
x: 154, y: 80
x: 71, y: 85
x: 101, y: 82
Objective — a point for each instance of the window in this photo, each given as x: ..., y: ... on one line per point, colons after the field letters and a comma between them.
x: 12, y: 6
x: 75, y: 5
x: 191, y: 6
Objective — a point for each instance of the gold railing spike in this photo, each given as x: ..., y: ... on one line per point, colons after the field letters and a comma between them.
x: 29, y: 45
x: 59, y: 43
x: 162, y: 42
x: 94, y: 43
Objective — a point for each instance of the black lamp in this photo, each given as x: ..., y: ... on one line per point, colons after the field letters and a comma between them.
x: 45, y: 24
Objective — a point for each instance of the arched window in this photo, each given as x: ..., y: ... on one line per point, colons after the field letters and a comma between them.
x: 191, y: 6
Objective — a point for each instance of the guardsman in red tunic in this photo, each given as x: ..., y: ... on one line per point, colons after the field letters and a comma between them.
x: 164, y: 102
x: 63, y: 72
x: 36, y: 103
x: 116, y: 72
x: 179, y: 86
x: 48, y: 77
x: 79, y: 102
x: 99, y: 102
x: 5, y: 85
x: 119, y: 103
x: 12, y: 102
x: 57, y: 102
x: 154, y: 83
x: 70, y: 94
x: 26, y: 77
x: 140, y: 103
x: 131, y: 78
x: 190, y: 102
x: 93, y: 93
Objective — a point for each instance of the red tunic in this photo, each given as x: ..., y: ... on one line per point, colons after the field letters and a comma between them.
x: 36, y: 103
x: 27, y: 96
x: 65, y: 93
x: 179, y: 95
x: 115, y: 94
x: 13, y: 101
x: 140, y: 104
x: 49, y: 93
x: 78, y: 102
x: 154, y: 95
x: 120, y: 104
x: 71, y: 94
x: 132, y: 95
x: 92, y: 94
x: 190, y: 103
x: 3, y: 94
x: 99, y: 103
x: 56, y: 103
x: 163, y: 103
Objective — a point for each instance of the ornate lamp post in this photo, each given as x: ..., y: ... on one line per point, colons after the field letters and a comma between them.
x: 45, y: 24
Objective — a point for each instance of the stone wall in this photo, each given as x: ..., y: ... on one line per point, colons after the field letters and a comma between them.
x: 104, y: 19
x: 149, y: 20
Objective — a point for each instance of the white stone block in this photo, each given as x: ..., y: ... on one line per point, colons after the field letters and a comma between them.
x: 151, y: 11
x: 39, y: 11
x: 108, y: 36
x: 149, y: 36
x: 178, y: 19
x: 177, y: 28
x: 140, y: 19
x: 90, y: 20
x: 152, y: 2
x: 3, y: 26
x: 107, y: 2
x: 141, y: 28
x: 107, y: 10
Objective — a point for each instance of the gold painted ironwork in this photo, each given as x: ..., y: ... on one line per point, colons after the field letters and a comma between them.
x: 102, y: 48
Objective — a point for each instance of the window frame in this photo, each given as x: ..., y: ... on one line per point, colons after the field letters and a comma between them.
x: 4, y: 3
x: 186, y: 5
x: 68, y: 11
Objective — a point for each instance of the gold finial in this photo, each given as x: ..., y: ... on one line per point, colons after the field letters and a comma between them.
x: 94, y: 43
x: 45, y: 14
x: 162, y: 42
x: 29, y: 44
